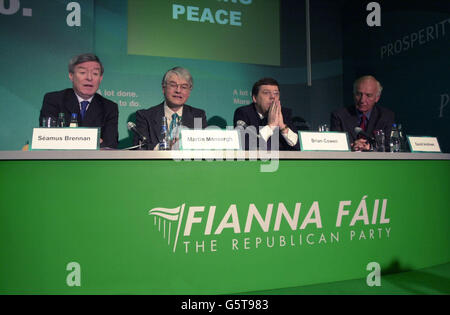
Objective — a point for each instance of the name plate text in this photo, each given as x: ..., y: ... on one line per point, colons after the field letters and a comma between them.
x: 323, y: 141
x: 209, y: 139
x: 65, y: 139
x: 424, y: 144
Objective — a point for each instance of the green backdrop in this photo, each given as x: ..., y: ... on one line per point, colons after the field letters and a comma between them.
x: 39, y: 38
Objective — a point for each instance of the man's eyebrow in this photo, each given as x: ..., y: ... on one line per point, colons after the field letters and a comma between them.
x: 84, y: 68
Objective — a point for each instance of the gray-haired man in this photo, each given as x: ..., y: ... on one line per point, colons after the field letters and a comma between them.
x: 365, y: 114
x: 93, y: 110
x: 177, y: 84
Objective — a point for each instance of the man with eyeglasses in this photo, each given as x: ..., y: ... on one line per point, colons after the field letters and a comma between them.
x: 267, y: 118
x: 93, y: 110
x: 177, y: 84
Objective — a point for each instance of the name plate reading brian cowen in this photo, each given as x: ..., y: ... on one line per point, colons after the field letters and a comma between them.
x: 323, y: 141
x: 65, y: 139
x: 213, y: 139
x: 424, y: 144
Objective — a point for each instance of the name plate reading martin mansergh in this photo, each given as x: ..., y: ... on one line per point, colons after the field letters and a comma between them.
x: 212, y: 139
x: 65, y: 139
x: 424, y: 144
x: 323, y: 141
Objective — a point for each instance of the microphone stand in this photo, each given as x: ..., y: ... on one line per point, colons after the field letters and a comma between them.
x: 140, y: 145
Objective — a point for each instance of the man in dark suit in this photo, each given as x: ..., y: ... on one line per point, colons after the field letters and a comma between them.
x: 271, y: 123
x: 177, y: 84
x: 365, y: 114
x: 92, y: 109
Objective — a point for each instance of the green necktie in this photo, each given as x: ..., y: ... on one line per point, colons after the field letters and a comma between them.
x: 173, y: 124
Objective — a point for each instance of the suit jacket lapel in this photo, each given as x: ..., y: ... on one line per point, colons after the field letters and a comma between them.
x: 254, y: 119
x: 156, y: 121
x: 187, y: 119
x: 354, y: 121
x: 257, y: 122
x: 71, y: 103
x: 93, y: 111
x: 374, y: 117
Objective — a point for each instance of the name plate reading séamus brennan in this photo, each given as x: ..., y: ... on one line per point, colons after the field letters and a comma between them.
x: 65, y: 139
x: 209, y: 139
x: 424, y: 144
x: 323, y: 141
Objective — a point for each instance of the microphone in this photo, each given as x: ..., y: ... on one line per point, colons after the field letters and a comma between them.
x: 132, y: 126
x: 361, y: 132
x: 243, y: 125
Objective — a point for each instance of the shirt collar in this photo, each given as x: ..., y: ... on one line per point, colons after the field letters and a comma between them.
x: 169, y: 112
x: 360, y: 114
x: 80, y: 99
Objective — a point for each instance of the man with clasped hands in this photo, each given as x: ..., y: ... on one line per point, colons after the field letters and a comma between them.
x: 267, y: 118
x: 177, y: 84
x: 93, y: 110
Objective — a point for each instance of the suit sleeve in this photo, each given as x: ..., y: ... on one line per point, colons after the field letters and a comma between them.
x: 110, y: 134
x: 204, y: 120
x: 239, y: 115
x: 199, y: 113
x: 144, y: 127
x: 335, y: 123
x: 247, y: 143
x: 288, y: 121
x: 50, y: 107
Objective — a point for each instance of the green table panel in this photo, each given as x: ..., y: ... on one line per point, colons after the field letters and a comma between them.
x: 96, y: 213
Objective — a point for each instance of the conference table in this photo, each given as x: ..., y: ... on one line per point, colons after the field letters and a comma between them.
x: 216, y: 222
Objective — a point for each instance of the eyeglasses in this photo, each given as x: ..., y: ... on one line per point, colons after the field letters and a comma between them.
x: 174, y: 86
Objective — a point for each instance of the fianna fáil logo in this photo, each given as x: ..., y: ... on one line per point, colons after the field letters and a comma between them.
x: 203, y: 229
x: 165, y: 218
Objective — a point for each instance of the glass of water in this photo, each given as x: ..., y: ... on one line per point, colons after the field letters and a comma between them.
x: 323, y: 128
x: 48, y: 122
x: 379, y: 140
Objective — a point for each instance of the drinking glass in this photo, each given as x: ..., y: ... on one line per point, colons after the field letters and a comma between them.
x: 379, y: 140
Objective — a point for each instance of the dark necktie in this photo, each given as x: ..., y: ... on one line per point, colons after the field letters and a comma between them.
x: 363, y: 124
x: 84, y: 105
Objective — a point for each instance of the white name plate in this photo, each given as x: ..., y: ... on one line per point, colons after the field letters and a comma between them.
x: 65, y: 139
x: 323, y: 141
x: 213, y: 139
x: 424, y: 144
